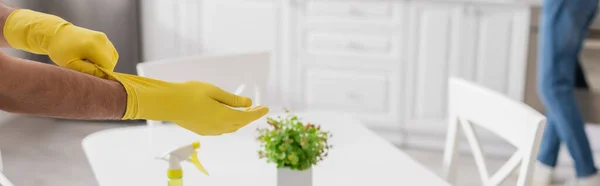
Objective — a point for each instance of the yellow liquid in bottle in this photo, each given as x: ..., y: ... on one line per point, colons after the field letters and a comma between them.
x: 175, y: 182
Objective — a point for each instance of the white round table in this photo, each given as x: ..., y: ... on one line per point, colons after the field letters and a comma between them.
x: 122, y: 157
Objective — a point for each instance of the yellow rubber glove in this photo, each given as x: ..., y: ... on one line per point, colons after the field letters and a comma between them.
x: 66, y: 44
x: 197, y: 106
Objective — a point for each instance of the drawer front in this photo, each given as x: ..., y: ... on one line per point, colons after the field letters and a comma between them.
x: 382, y: 10
x: 350, y: 91
x: 351, y: 44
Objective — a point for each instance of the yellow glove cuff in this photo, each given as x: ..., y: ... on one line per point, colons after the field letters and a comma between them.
x: 132, y: 97
x: 30, y: 30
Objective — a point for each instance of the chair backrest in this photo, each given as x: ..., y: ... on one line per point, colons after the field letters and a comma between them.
x: 234, y: 73
x: 470, y: 104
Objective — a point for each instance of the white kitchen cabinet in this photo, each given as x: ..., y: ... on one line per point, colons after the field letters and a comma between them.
x: 384, y: 61
x: 493, y: 49
x: 482, y: 42
x: 193, y: 27
x: 161, y: 36
x: 233, y: 26
x: 344, y: 56
x: 433, y: 38
x: 388, y: 61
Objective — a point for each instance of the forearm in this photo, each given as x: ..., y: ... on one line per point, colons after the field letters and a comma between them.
x: 33, y: 88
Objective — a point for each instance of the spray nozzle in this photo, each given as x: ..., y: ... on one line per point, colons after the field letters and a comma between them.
x: 185, y: 153
x: 194, y: 159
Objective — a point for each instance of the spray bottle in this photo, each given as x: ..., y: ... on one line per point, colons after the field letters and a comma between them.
x: 188, y: 152
x: 175, y: 156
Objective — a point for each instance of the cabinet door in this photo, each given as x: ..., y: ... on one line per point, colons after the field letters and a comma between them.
x: 194, y: 27
x: 159, y: 23
x: 233, y: 26
x: 345, y: 56
x: 432, y: 44
x: 494, y: 47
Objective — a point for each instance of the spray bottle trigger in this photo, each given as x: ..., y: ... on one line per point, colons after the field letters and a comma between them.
x: 196, y: 162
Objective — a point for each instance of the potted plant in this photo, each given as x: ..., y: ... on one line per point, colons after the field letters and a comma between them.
x: 294, y: 146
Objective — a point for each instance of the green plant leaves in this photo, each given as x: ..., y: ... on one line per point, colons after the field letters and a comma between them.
x: 289, y: 143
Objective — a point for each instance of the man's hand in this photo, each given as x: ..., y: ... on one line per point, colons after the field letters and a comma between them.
x: 67, y: 45
x: 200, y: 107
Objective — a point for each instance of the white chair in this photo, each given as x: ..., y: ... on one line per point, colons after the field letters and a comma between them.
x: 229, y: 72
x: 511, y: 120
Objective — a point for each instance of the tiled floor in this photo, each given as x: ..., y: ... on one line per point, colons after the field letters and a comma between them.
x: 469, y: 175
x: 47, y: 152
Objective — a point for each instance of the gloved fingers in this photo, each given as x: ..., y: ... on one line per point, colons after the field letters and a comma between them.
x: 105, y: 58
x: 233, y: 129
x: 86, y: 67
x: 202, y: 132
x: 231, y: 99
x: 239, y: 124
x: 100, y: 50
x: 245, y: 117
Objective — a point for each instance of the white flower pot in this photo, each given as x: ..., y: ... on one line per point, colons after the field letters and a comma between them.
x: 287, y: 177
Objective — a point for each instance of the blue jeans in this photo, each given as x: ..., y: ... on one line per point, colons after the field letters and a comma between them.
x: 563, y: 28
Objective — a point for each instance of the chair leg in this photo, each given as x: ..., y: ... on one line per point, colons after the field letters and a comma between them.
x: 529, y: 157
x: 451, y: 151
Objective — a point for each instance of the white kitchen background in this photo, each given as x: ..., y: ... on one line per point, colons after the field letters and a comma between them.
x: 384, y: 61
